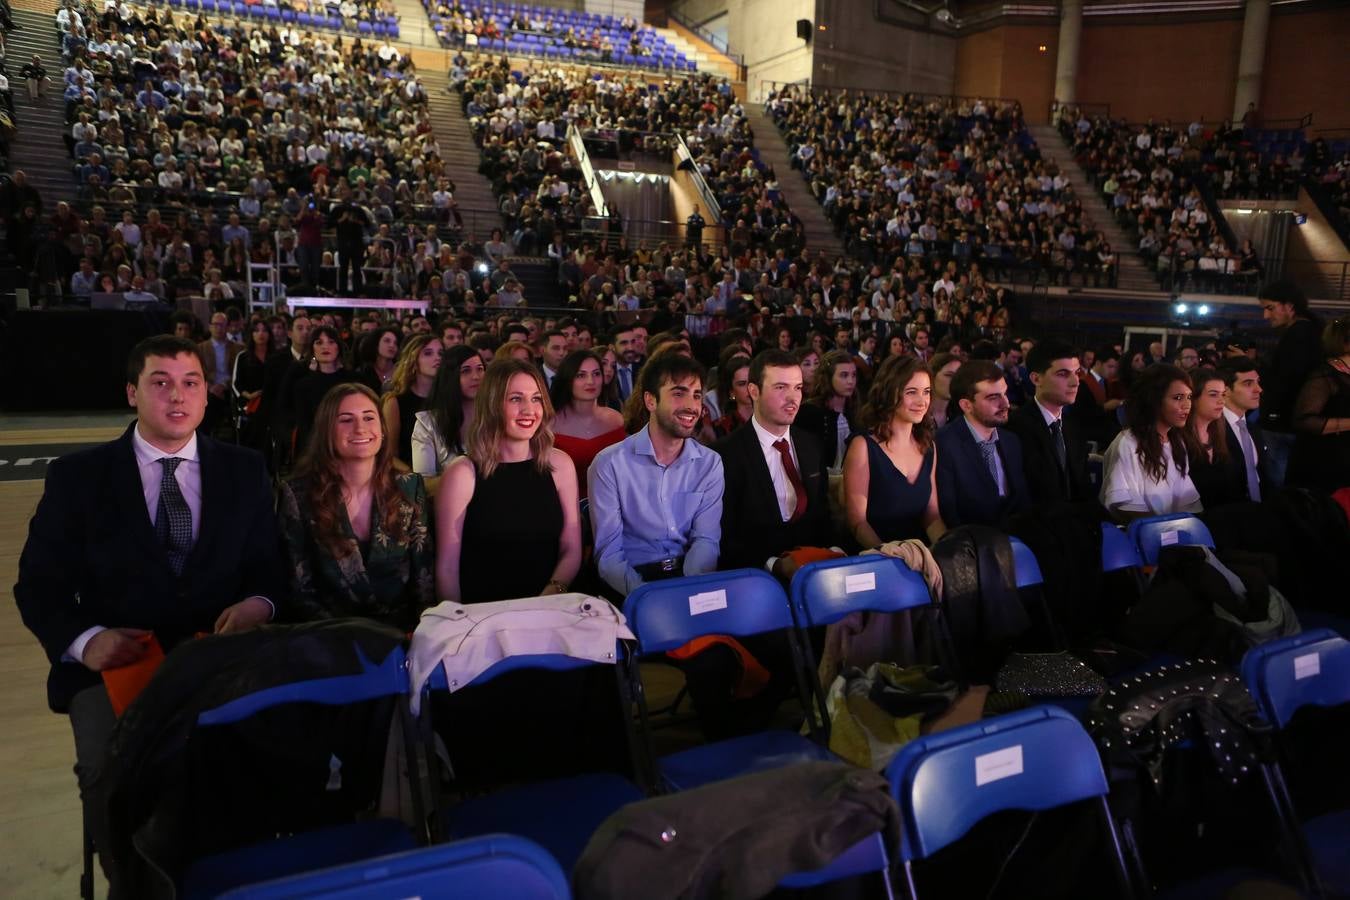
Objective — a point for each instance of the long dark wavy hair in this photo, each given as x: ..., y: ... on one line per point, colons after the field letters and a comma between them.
x: 446, y: 400
x: 561, y: 392
x: 822, y: 386
x: 1142, y: 413
x: 885, y: 395
x: 321, y: 471
x: 1216, y: 432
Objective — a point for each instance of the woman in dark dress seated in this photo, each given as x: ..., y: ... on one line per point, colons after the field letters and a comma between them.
x: 508, y: 519
x: 357, y: 534
x: 1206, y: 436
x: 326, y: 370
x: 890, y: 486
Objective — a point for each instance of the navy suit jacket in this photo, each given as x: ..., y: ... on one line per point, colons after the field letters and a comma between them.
x: 967, y: 494
x: 92, y: 557
x: 1237, y: 459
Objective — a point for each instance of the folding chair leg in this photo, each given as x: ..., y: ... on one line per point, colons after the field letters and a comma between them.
x: 87, y: 875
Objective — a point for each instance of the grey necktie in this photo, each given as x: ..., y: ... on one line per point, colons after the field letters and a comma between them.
x: 625, y: 382
x: 989, y: 450
x: 1249, y: 458
x: 173, y: 519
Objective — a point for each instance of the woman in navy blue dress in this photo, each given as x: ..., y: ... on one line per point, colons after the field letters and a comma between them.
x: 890, y: 492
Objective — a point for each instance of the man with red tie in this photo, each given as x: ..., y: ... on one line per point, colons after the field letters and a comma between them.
x: 776, y: 486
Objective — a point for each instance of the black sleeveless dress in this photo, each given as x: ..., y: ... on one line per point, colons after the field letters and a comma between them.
x: 512, y: 527
x: 895, y: 506
x: 409, y: 405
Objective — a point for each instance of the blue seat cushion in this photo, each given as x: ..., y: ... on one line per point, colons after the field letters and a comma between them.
x: 1329, y: 844
x: 739, y: 756
x: 319, y: 849
x: 559, y: 815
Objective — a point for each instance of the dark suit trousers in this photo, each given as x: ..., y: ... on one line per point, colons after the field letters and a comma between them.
x: 92, y: 720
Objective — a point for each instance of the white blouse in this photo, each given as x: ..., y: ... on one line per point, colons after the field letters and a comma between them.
x: 429, y: 454
x: 1128, y: 488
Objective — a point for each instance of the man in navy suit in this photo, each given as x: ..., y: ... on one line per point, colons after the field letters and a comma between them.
x: 1054, y: 454
x: 980, y: 480
x: 1247, y: 450
x: 163, y: 531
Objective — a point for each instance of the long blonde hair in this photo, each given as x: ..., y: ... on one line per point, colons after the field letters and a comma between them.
x: 483, y: 441
x: 405, y: 369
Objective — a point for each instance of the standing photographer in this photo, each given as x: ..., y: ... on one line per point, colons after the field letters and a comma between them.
x: 350, y: 220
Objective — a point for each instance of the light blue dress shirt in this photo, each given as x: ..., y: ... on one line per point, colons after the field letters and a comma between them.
x: 642, y: 511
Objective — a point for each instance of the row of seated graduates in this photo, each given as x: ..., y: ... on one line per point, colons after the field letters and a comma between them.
x: 947, y: 178
x: 229, y: 103
x: 1147, y: 174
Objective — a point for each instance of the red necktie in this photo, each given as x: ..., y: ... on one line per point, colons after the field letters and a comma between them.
x: 781, y: 445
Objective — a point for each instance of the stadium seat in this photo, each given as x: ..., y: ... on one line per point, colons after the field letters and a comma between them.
x: 1035, y: 759
x: 1150, y: 535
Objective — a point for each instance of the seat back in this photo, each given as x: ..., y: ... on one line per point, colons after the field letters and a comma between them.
x: 1309, y: 669
x: 1118, y: 550
x: 1152, y: 534
x: 492, y: 867
x: 666, y: 615
x: 1034, y: 759
x: 1026, y: 570
x: 825, y: 592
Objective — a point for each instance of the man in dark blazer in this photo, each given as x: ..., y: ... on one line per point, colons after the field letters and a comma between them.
x: 1248, y: 453
x: 1054, y: 452
x: 163, y: 531
x: 279, y: 373
x: 1094, y: 407
x: 764, y: 514
x: 980, y: 479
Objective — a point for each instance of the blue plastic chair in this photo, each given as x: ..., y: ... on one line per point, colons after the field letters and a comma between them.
x: 492, y: 867
x: 1152, y: 534
x: 1118, y: 551
x: 666, y: 615
x: 1026, y: 570
x: 561, y: 814
x: 324, y: 847
x: 1034, y: 759
x: 1309, y: 669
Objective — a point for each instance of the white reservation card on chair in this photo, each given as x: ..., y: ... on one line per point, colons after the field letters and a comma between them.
x: 867, y: 581
x: 998, y: 765
x: 707, y: 602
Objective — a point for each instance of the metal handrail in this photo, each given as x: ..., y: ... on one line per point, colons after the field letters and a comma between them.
x: 684, y: 155
x: 578, y: 146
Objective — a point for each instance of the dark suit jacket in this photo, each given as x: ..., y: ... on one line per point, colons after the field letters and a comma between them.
x: 967, y: 494
x: 92, y: 557
x: 1045, y: 481
x: 752, y: 526
x: 1237, y: 459
x: 1094, y: 422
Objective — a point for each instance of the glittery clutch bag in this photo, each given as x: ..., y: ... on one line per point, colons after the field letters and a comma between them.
x: 1048, y: 675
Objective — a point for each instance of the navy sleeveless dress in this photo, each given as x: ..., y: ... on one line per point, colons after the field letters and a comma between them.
x: 895, y: 507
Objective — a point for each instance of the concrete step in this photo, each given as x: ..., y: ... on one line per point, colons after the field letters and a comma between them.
x: 773, y: 151
x: 38, y: 147
x: 473, y: 192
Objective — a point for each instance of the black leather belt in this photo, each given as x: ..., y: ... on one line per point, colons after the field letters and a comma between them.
x: 661, y: 569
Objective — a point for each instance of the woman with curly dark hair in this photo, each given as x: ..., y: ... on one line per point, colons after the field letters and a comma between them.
x: 1146, y: 465
x: 831, y: 408
x: 890, y: 486
x: 357, y: 534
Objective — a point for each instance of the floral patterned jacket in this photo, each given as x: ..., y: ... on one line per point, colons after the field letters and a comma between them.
x: 392, y: 582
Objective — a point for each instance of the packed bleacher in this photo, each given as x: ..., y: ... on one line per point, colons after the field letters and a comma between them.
x: 568, y: 36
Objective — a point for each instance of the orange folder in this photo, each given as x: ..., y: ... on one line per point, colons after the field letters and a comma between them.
x: 125, y: 683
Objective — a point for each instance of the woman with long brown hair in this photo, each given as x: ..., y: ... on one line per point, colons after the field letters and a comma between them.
x: 357, y: 534
x: 1146, y: 465
x: 1206, y: 439
x: 831, y: 408
x: 890, y: 486
x: 507, y: 513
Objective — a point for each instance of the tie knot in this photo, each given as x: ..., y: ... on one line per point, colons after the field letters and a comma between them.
x: 170, y: 463
x: 781, y: 445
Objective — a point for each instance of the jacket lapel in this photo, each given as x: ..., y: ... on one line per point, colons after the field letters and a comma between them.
x: 130, y: 496
x: 215, y: 497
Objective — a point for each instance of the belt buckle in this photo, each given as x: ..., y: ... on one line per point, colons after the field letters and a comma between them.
x: 667, y: 565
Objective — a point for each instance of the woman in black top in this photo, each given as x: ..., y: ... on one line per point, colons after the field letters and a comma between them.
x: 325, y: 371
x: 1206, y: 438
x: 248, y: 382
x: 418, y: 363
x: 831, y: 412
x: 1321, y: 417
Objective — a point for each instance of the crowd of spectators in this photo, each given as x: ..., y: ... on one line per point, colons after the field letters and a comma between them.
x: 944, y: 189
x: 553, y: 34
x: 1147, y: 174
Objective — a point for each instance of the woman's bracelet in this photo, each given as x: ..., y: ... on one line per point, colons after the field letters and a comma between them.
x: 553, y: 582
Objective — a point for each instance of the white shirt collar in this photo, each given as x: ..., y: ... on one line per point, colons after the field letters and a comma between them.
x: 1232, y: 417
x: 147, y: 453
x: 1050, y: 418
x: 766, y: 440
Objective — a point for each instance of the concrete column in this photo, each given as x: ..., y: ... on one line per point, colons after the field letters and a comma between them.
x: 1066, y: 58
x: 1252, y: 59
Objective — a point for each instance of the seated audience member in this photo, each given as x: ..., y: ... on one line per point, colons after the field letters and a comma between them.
x: 776, y: 497
x: 609, y: 393
x: 1145, y: 470
x: 980, y: 477
x: 515, y: 350
x: 309, y: 386
x: 1218, y: 475
x: 357, y: 533
x: 377, y: 358
x: 583, y: 427
x: 279, y: 374
x: 1094, y: 408
x: 409, y: 389
x: 831, y: 409
x: 733, y: 381
x: 1246, y: 439
x: 247, y: 382
x: 1321, y: 417
x: 508, y: 523
x: 656, y: 496
x: 890, y: 477
x: 1054, y: 453
x: 552, y: 351
x: 944, y: 367
x: 162, y: 532
x: 439, y: 432
x: 219, y: 354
